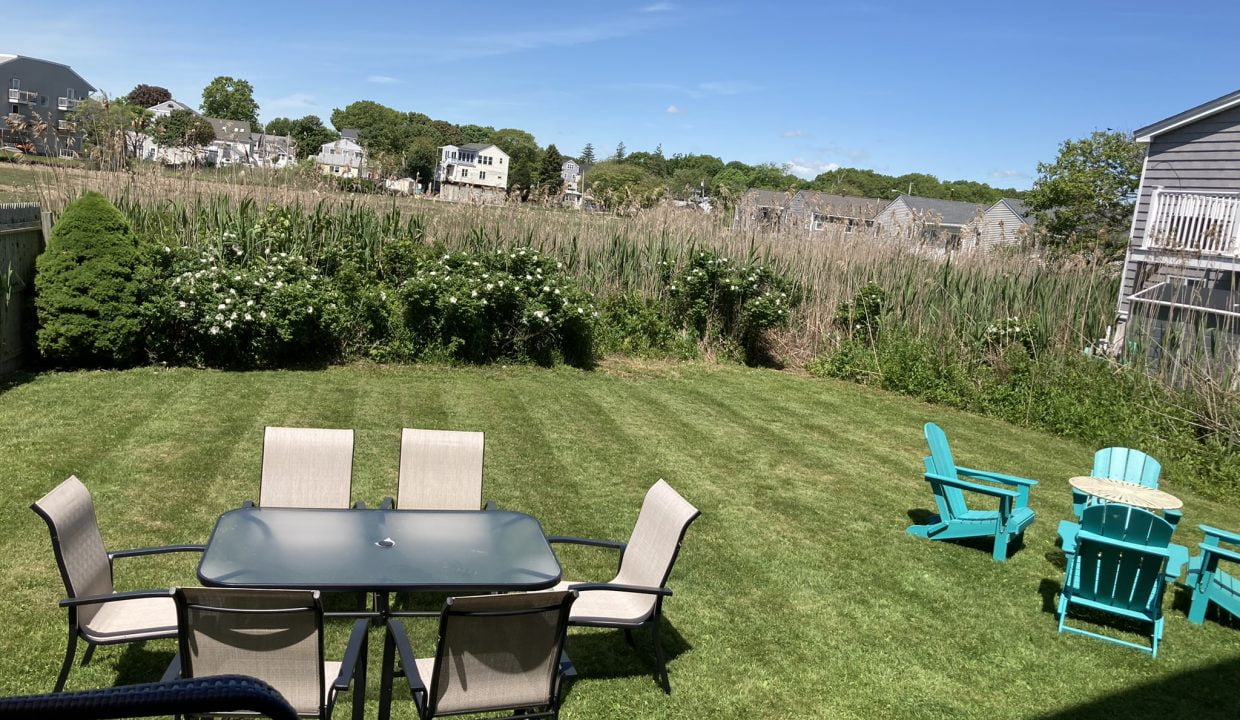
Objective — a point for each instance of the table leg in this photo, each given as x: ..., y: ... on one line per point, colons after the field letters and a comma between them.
x: 388, y: 666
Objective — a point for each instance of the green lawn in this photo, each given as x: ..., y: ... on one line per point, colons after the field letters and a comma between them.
x: 798, y: 593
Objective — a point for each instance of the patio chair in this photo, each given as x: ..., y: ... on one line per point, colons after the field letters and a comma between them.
x: 956, y: 520
x: 232, y: 693
x: 1209, y: 581
x: 273, y: 635
x: 1120, y: 559
x: 1119, y: 463
x: 97, y: 613
x: 495, y: 653
x: 439, y: 470
x: 306, y: 467
x: 634, y: 597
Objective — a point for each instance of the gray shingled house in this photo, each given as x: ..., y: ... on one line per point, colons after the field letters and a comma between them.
x: 1181, y: 277
x: 761, y: 209
x: 940, y: 224
x: 805, y: 210
x: 1007, y: 222
x: 41, y: 95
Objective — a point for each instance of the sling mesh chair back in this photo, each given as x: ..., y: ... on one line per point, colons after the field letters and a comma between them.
x: 273, y: 635
x: 495, y: 653
x: 634, y: 598
x: 97, y: 613
x: 306, y: 467
x: 440, y: 470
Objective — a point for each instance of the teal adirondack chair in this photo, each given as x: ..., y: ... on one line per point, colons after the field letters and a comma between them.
x: 955, y: 519
x: 1120, y: 559
x: 1209, y: 582
x: 1117, y: 463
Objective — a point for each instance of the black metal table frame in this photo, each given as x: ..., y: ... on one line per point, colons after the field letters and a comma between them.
x: 382, y: 611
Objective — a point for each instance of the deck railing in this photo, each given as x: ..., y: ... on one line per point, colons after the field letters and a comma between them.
x: 1207, y: 223
x: 67, y: 103
x: 26, y: 97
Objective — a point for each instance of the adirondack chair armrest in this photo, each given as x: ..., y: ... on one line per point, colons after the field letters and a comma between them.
x: 1079, y: 500
x: 1223, y: 535
x: 1067, y: 534
x: 996, y: 477
x: 1176, y: 560
x: 162, y: 550
x: 1223, y: 553
x: 972, y: 487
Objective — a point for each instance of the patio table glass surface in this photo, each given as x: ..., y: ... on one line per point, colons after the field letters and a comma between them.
x: 378, y: 550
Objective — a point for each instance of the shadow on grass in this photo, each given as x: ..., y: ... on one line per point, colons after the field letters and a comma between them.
x: 922, y: 516
x: 141, y: 662
x: 1203, y: 693
x: 601, y: 653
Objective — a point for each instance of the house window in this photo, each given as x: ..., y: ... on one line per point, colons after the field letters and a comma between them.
x: 16, y: 83
x: 482, y: 175
x: 464, y: 172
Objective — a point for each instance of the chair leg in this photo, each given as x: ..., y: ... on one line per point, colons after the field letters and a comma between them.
x: 67, y: 665
x: 628, y: 637
x: 1001, y: 544
x: 1197, y: 611
x: 90, y: 653
x: 658, y: 653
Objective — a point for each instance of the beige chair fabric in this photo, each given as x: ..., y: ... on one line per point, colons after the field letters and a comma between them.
x: 647, y: 561
x: 130, y: 620
x: 306, y: 467
x: 497, y: 661
x: 281, y: 646
x: 440, y: 470
x: 69, y: 509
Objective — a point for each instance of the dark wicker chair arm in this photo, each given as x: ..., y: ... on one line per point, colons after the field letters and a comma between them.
x: 617, y: 587
x: 354, y: 653
x: 113, y: 597
x: 213, y: 694
x: 161, y: 550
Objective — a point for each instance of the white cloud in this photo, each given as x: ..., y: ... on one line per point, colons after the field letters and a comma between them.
x: 295, y: 101
x: 809, y: 169
x: 382, y: 79
x: 672, y: 109
x: 794, y: 133
x: 1008, y: 174
x: 658, y: 7
x: 722, y: 87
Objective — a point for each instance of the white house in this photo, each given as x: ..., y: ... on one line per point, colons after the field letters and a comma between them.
x: 168, y: 107
x: 235, y: 144
x: 477, y: 164
x: 344, y: 157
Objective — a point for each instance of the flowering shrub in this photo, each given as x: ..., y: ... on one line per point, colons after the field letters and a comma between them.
x: 734, y: 301
x: 221, y: 309
x: 1009, y: 331
x: 516, y: 304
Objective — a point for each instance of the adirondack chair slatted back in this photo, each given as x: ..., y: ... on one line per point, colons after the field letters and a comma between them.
x: 950, y: 500
x: 1128, y: 465
x: 1115, y: 575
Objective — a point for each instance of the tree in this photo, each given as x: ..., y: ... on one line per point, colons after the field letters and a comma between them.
x: 620, y: 185
x: 145, y: 96
x: 550, y: 172
x: 476, y: 133
x: 523, y: 157
x: 105, y: 126
x: 619, y: 156
x: 231, y: 99
x: 1085, y: 198
x: 183, y: 129
x: 653, y: 163
x: 587, y: 155
x: 384, y: 132
x: 280, y: 126
x: 88, y: 293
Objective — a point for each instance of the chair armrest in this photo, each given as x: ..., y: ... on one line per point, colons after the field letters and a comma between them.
x: 407, y: 662
x: 972, y: 487
x: 614, y: 544
x: 248, y: 504
x: 490, y: 505
x: 162, y: 550
x: 1067, y: 533
x: 1225, y: 536
x: 1176, y: 561
x: 188, y: 697
x: 131, y: 595
x: 353, y: 652
x: 996, y: 477
x: 617, y: 587
x: 1080, y: 499
x: 1224, y: 553
x: 361, y: 505
x: 387, y: 503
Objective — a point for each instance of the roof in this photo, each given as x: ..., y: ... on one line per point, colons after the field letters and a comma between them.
x: 949, y: 212
x: 841, y: 205
x: 8, y: 57
x: 230, y: 130
x: 767, y: 198
x: 349, y: 133
x: 173, y: 104
x: 1018, y: 207
x: 1191, y: 115
x: 477, y: 147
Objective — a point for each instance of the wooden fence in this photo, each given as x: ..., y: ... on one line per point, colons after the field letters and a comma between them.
x: 21, y: 241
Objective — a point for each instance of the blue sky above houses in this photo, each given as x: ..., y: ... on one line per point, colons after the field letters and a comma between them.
x: 973, y: 90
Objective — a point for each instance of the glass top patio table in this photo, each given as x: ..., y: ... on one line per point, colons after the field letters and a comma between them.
x: 378, y: 550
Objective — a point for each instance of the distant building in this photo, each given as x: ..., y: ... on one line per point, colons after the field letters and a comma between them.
x: 761, y: 210
x: 42, y: 96
x: 1006, y: 223
x: 944, y: 225
x: 806, y: 211
x: 571, y: 172
x: 344, y: 157
x: 168, y: 107
x: 477, y: 172
x: 235, y: 144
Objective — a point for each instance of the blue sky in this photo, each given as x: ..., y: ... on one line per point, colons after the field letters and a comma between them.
x: 972, y: 90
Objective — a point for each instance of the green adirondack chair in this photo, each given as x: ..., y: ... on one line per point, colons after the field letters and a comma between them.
x: 956, y: 520
x: 1120, y: 559
x: 1118, y: 463
x: 1209, y: 582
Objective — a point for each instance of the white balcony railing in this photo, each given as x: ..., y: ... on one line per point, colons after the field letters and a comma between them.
x: 1206, y: 223
x: 23, y: 96
x: 66, y: 125
x: 67, y: 103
